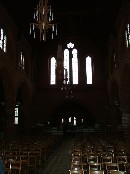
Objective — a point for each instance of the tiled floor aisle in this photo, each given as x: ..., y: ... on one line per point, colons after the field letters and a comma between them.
x: 59, y: 161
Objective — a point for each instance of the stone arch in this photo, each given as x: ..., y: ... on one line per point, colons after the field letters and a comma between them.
x: 23, y: 93
x: 125, y: 86
x: 115, y: 101
x: 121, y: 26
x: 12, y: 32
x: 70, y: 108
x: 23, y: 100
x: 2, y: 110
x: 114, y: 92
x: 8, y: 83
x: 8, y: 97
x: 2, y: 93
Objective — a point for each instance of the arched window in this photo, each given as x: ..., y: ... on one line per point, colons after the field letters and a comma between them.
x: 75, y: 66
x: 74, y: 121
x: 70, y: 67
x: 53, y: 71
x: 16, y: 114
x: 70, y: 64
x: 127, y: 35
x: 89, y: 70
x: 21, y: 62
x: 70, y: 119
x: 66, y: 67
x: 3, y: 40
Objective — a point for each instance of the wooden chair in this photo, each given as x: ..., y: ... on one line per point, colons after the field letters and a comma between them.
x: 85, y: 167
x: 76, y: 172
x: 105, y: 160
x: 92, y: 159
x: 127, y: 167
x: 77, y: 153
x: 24, y: 159
x: 38, y: 155
x: 85, y: 156
x: 121, y: 150
x: 112, y: 167
x: 117, y: 172
x: 15, y: 167
x: 76, y: 159
x: 76, y: 167
x: 110, y: 149
x: 96, y: 172
x: 9, y: 156
x: 121, y: 159
x: 7, y: 166
x: 31, y: 163
x: 94, y: 166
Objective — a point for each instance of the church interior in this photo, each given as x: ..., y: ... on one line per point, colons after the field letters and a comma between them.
x: 64, y: 86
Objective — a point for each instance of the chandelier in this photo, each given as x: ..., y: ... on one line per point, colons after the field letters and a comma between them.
x: 43, y: 20
x: 66, y: 87
x: 62, y: 74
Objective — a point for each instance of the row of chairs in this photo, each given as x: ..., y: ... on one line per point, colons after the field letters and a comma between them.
x: 105, y: 158
x: 23, y: 166
x: 25, y: 157
x: 98, y: 172
x: 107, y: 167
x: 99, y: 157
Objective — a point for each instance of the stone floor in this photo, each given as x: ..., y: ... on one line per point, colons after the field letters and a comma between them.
x: 59, y: 161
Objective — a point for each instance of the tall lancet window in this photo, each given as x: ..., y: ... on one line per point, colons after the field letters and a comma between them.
x: 127, y: 35
x: 16, y: 114
x: 3, y: 40
x: 75, y: 66
x: 70, y: 65
x: 66, y: 67
x: 53, y: 71
x: 89, y: 70
x: 21, y: 61
x: 74, y: 121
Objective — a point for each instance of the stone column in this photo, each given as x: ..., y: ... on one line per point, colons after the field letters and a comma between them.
x: 9, y: 130
x: 126, y: 124
x: 25, y: 126
x: 114, y: 121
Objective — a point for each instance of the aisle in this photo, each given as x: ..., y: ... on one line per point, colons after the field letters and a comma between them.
x: 59, y: 161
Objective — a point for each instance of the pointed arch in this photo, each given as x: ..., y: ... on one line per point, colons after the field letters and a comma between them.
x: 53, y: 71
x: 89, y: 70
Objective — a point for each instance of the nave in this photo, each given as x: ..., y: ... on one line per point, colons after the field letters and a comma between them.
x: 60, y: 160
x: 71, y: 153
